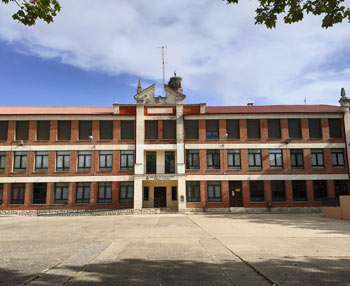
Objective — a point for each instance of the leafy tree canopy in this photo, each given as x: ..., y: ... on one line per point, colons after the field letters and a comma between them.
x: 332, y: 11
x: 31, y: 10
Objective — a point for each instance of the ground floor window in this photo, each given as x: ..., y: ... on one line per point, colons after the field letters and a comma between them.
x: 214, y: 192
x: 257, y: 191
x: 83, y: 193
x: 340, y: 188
x: 61, y: 193
x: 174, y: 193
x: 17, y: 194
x: 104, y: 192
x: 193, y: 191
x: 299, y: 191
x: 278, y: 191
x: 1, y: 193
x: 39, y: 193
x: 145, y: 193
x: 320, y: 190
x: 126, y: 193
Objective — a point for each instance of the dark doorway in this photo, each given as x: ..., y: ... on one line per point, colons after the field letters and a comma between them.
x: 236, y: 194
x: 160, y: 197
x: 39, y: 193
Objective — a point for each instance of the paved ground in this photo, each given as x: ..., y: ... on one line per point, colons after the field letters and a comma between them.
x: 175, y: 250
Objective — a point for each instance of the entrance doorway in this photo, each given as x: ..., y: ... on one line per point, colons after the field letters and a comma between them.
x: 236, y: 194
x: 160, y: 197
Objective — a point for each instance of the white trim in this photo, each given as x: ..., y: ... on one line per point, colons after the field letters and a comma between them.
x: 70, y: 179
x: 67, y: 147
x: 160, y: 147
x: 264, y: 116
x: 160, y: 110
x: 266, y: 146
x: 67, y: 117
x: 157, y: 117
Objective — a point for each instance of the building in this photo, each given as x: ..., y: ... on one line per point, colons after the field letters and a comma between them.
x: 159, y: 152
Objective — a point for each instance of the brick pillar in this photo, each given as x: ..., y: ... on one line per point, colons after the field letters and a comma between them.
x: 50, y: 191
x: 243, y: 129
x: 325, y: 128
x: 32, y: 131
x: 284, y: 129
x: 307, y: 159
x: 289, y: 191
x: 246, y: 193
x: 28, y: 195
x: 6, y: 199
x: 93, y: 193
x: 160, y: 129
x: 264, y: 130
x: 304, y: 124
x: 244, y: 160
x: 52, y: 162
x: 116, y: 161
x: 286, y: 159
x: 202, y: 130
x: 330, y: 189
x: 74, y: 130
x: 310, y: 191
x: 224, y: 160
x: 53, y: 131
x: 203, y: 160
x: 116, y: 131
x: 203, y: 191
x: 95, y: 161
x: 11, y: 131
x: 327, y: 158
x: 225, y: 194
x: 73, y: 161
x: 30, y: 162
x: 222, y: 130
x: 95, y: 130
x: 115, y: 193
x: 265, y: 159
x: 72, y: 194
x: 267, y: 191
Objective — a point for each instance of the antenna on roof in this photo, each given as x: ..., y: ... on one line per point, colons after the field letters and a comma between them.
x: 163, y: 63
x: 305, y: 100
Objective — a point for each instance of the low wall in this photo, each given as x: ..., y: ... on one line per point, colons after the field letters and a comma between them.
x: 341, y: 212
x: 332, y: 212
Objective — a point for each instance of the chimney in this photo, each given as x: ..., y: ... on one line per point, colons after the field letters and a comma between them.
x: 250, y: 104
x: 175, y: 83
x: 116, y: 108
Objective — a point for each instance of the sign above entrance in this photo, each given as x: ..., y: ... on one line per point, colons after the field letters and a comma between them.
x: 160, y: 178
x: 164, y: 110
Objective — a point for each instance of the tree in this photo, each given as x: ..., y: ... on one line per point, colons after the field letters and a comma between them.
x: 333, y: 11
x: 31, y: 10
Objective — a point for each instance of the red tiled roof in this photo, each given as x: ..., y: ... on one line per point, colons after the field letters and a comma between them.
x: 273, y: 109
x: 18, y: 110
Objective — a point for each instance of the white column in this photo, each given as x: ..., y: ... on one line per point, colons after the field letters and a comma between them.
x: 347, y: 130
x: 180, y: 157
x: 181, y: 191
x: 138, y: 193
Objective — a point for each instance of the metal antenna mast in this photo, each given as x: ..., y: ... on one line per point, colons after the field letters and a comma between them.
x: 163, y: 62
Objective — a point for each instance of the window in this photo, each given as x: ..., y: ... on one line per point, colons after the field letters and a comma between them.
x: 62, y: 161
x: 338, y: 158
x: 169, y: 129
x: 320, y: 190
x: 213, y: 159
x: 61, y: 193
x: 335, y: 131
x: 43, y: 131
x: 278, y: 191
x: 214, y: 191
x: 297, y: 158
x: 234, y: 159
x: 126, y: 160
x: 64, y: 130
x: 191, y: 129
x: 41, y: 161
x: 145, y: 193
x: 253, y: 128
x: 84, y: 161
x: 20, y: 162
x: 39, y: 193
x: 192, y: 159
x: 126, y: 194
x: 17, y: 194
x: 106, y: 160
x: 193, y: 191
x: 104, y: 192
x: 151, y: 162
x: 340, y: 188
x: 254, y: 158
x: 2, y: 162
x: 299, y: 191
x: 294, y: 128
x: 106, y: 130
x: 315, y: 130
x: 83, y: 193
x: 127, y: 129
x: 151, y: 129
x: 276, y: 161
x: 1, y: 193
x: 174, y: 193
x: 232, y: 128
x: 22, y: 128
x: 3, y: 130
x: 212, y: 129
x: 257, y: 191
x: 274, y: 128
x: 85, y: 130
x: 169, y: 162
x: 317, y: 158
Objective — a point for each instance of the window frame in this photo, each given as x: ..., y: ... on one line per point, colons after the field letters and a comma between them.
x: 148, y: 129
x: 315, y: 134
x: 273, y: 159
x: 257, y: 191
x: 275, y: 190
x: 125, y: 125
x: 127, y: 186
x: 234, y: 153
x: 62, y: 199
x: 22, y: 124
x: 40, y: 124
x: 192, y: 191
x: 64, y: 155
x: 253, y: 126
x: 85, y: 126
x: 338, y: 184
x: 189, y: 132
x: 299, y: 198
x: 4, y: 127
x: 214, y: 133
x: 255, y: 154
x: 271, y: 127
x: 147, y: 162
x: 293, y: 130
x: 41, y: 161
x: 321, y: 189
x: 214, y: 154
x: 234, y: 131
x: 61, y: 125
x: 21, y: 189
x: 169, y: 163
x: 146, y: 191
x: 85, y: 191
x: 106, y: 130
x: 315, y: 154
x: 337, y: 154
x: 2, y: 162
x: 23, y: 157
x: 105, y: 189
x: 214, y: 198
x: 296, y: 154
x: 167, y: 125
x: 128, y: 154
x: 335, y: 128
x: 86, y: 166
x: 38, y: 190
x: 174, y: 193
x: 191, y: 156
x: 107, y: 158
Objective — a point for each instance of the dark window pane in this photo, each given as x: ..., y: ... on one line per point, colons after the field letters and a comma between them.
x: 84, y: 161
x: 320, y: 189
x: 126, y: 192
x: 315, y: 128
x: 192, y: 159
x: 340, y: 188
x: 299, y: 190
x: 85, y: 130
x: 169, y: 129
x: 41, y: 161
x: 212, y: 129
x: 234, y: 159
x: 297, y: 158
x: 174, y: 193
x: 278, y: 191
x: 17, y: 194
x: 1, y: 193
x: 43, y: 130
x: 294, y: 128
x: 145, y: 193
x: 151, y: 162
x: 83, y: 193
x: 317, y: 158
x: 20, y: 164
x: 126, y: 160
x: 104, y: 192
x: 335, y: 128
x: 62, y: 161
x: 193, y: 191
x: 106, y: 130
x: 276, y: 159
x: 2, y: 162
x: 274, y: 128
x: 253, y: 128
x: 191, y: 129
x: 22, y: 128
x: 106, y: 160
x: 338, y: 158
x: 213, y: 159
x: 151, y: 129
x: 254, y: 159
x: 257, y: 191
x: 61, y: 193
x: 214, y: 192
x: 64, y: 128
x: 39, y: 193
x: 3, y: 130
x: 232, y: 128
x: 170, y: 162
x: 127, y: 129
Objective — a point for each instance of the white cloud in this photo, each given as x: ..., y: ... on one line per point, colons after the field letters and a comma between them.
x: 222, y: 56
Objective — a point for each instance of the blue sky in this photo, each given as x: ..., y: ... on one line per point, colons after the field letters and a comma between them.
x: 224, y: 59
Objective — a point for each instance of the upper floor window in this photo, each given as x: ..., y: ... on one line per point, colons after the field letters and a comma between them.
x: 3, y: 130
x: 64, y: 130
x: 338, y: 158
x: 126, y: 193
x: 22, y: 129
x: 193, y: 191
x: 104, y: 192
x: 274, y: 128
x: 234, y: 159
x: 276, y: 161
x: 83, y: 193
x: 317, y: 158
x: 169, y: 129
x: 315, y: 130
x: 106, y: 130
x: 192, y: 159
x: 84, y: 161
x: 335, y: 131
x: 294, y: 128
x: 62, y: 161
x: 20, y: 164
x: 297, y: 158
x: 214, y: 191
x: 191, y: 129
x: 213, y: 159
x: 254, y: 158
x: 253, y: 128
x: 127, y: 160
x: 61, y: 193
x: 41, y: 161
x: 127, y: 129
x: 2, y: 162
x: 17, y: 194
x: 257, y: 193
x: 85, y: 129
x: 43, y: 131
x: 170, y: 162
x: 151, y: 129
x: 151, y: 162
x: 212, y: 129
x: 232, y: 128
x: 106, y: 160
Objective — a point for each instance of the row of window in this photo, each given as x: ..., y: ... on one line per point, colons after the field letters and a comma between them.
x: 278, y: 191
x: 273, y: 127
x: 82, y: 192
x: 255, y: 159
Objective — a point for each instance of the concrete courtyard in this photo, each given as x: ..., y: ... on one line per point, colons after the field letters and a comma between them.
x: 259, y: 249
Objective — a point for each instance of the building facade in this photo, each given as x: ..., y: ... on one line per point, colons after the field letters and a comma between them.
x: 162, y: 153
